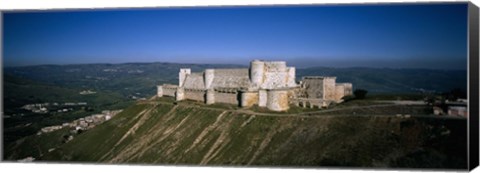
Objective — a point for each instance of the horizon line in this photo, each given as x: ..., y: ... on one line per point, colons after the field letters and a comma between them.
x: 166, y: 62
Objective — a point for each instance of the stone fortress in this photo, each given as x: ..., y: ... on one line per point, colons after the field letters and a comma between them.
x: 269, y: 84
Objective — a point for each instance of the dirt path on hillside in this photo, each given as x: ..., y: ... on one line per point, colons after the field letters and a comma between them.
x: 308, y: 114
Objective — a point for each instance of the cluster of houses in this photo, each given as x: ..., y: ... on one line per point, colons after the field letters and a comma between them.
x: 87, y: 92
x: 82, y: 124
x: 456, y: 108
x: 43, y: 107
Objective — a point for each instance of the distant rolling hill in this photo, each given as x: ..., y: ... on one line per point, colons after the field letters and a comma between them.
x: 141, y: 78
x: 386, y: 80
x: 127, y: 79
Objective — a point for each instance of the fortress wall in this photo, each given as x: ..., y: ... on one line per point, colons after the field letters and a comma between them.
x: 262, y: 98
x: 159, y: 91
x: 339, y: 92
x: 210, y: 97
x: 277, y: 100
x: 231, y: 78
x: 319, y: 87
x: 198, y: 95
x: 313, y: 87
x: 249, y: 99
x: 293, y: 92
x: 276, y: 75
x: 169, y: 91
x: 194, y: 81
x: 274, y: 80
x: 291, y: 77
x: 179, y: 94
x: 230, y: 98
x: 329, y: 88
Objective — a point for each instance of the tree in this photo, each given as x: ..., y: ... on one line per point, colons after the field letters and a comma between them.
x: 454, y: 94
x: 360, y: 93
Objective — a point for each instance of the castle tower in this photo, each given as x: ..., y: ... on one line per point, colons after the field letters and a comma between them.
x: 210, y: 97
x: 179, y: 94
x: 329, y: 88
x: 208, y: 77
x: 262, y: 98
x: 291, y: 77
x: 277, y: 100
x: 182, y: 75
x: 257, y: 69
x: 159, y: 91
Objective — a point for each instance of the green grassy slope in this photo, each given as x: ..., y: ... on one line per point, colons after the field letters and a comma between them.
x: 160, y: 133
x: 34, y: 145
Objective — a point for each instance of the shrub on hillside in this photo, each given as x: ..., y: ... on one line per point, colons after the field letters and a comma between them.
x: 360, y: 93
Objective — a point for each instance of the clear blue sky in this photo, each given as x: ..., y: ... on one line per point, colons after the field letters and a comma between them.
x: 405, y: 36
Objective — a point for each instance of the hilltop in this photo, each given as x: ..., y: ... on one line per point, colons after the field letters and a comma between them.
x: 187, y: 133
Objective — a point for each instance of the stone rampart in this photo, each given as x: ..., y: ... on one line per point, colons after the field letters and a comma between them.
x: 197, y: 95
x: 329, y: 88
x: 262, y: 98
x: 248, y: 99
x: 313, y: 87
x: 179, y: 94
x: 339, y: 92
x: 169, y: 90
x: 159, y: 91
x: 224, y: 97
x: 230, y: 78
x: 274, y: 80
x: 210, y: 97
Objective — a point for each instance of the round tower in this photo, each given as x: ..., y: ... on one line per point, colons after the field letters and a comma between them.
x: 208, y: 77
x: 277, y: 100
x: 257, y: 72
x: 210, y: 97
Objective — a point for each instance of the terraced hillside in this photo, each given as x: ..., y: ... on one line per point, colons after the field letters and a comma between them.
x: 166, y: 133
